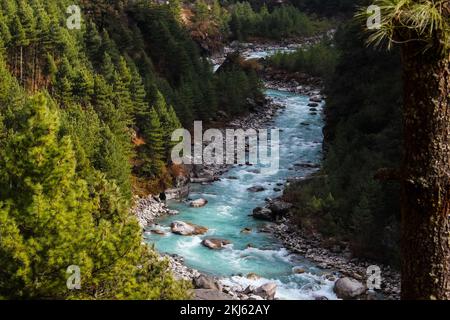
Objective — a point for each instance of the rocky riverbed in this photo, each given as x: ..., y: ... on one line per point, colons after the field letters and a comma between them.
x: 336, y: 258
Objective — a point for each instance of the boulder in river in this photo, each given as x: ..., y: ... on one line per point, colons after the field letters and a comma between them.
x: 348, y: 288
x: 267, y: 291
x: 253, y: 276
x: 187, y: 229
x: 262, y: 214
x: 298, y: 270
x: 313, y: 104
x: 214, y: 243
x: 279, y: 208
x: 256, y: 189
x: 246, y: 230
x: 198, y: 203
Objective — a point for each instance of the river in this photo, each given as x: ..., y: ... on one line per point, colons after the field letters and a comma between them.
x: 229, y: 206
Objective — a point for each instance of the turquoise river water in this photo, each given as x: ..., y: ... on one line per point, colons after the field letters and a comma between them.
x: 229, y: 204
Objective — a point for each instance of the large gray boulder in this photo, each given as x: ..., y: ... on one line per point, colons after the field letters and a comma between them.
x: 348, y: 288
x: 267, y: 291
x: 186, y: 229
x: 205, y: 282
x: 214, y: 243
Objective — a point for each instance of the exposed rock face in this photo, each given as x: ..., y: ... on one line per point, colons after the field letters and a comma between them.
x: 256, y: 189
x: 262, y: 214
x: 267, y: 291
x: 148, y: 209
x: 348, y: 288
x: 198, y: 203
x: 203, y: 174
x: 187, y: 229
x: 177, y: 193
x: 213, y: 243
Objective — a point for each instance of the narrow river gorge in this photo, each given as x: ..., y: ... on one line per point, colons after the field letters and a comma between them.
x: 230, y: 204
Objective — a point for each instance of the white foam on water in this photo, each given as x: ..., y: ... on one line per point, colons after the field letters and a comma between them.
x: 186, y: 243
x: 315, y: 287
x: 269, y: 255
x: 224, y: 210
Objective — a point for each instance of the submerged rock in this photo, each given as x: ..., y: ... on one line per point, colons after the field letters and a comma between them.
x: 246, y: 230
x: 348, y: 288
x: 256, y: 189
x: 187, y: 229
x: 298, y: 270
x: 158, y: 232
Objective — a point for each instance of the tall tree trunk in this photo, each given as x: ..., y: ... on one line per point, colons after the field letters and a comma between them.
x: 426, y: 171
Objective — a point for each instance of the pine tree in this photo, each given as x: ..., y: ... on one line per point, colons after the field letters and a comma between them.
x: 153, y: 150
x: 46, y: 209
x: 168, y: 121
x: 138, y: 96
x: 49, y: 221
x: 107, y: 68
x: 112, y: 159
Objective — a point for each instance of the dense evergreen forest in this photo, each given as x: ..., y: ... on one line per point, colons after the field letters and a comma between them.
x: 86, y: 122
x: 86, y: 117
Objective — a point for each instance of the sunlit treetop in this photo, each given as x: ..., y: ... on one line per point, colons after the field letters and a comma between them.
x: 404, y: 21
